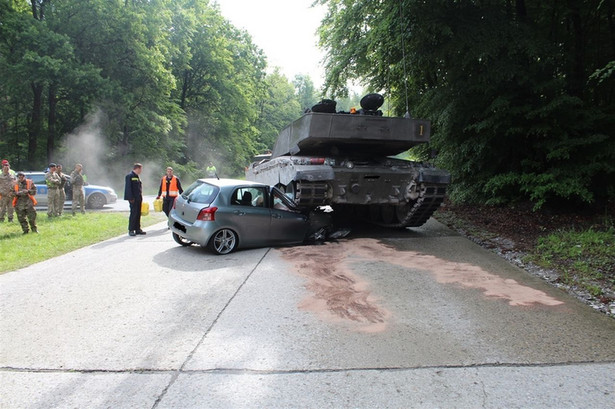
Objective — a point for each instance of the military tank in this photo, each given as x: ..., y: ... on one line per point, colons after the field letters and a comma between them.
x: 344, y: 160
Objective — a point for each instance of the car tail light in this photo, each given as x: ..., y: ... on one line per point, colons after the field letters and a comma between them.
x: 208, y: 214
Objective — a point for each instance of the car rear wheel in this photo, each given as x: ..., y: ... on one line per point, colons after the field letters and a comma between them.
x: 96, y: 201
x: 180, y: 240
x: 223, y: 241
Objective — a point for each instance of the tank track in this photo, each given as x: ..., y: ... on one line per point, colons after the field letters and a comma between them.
x: 416, y: 214
x: 413, y: 214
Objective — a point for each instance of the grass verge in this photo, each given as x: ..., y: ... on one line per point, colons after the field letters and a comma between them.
x: 61, y: 235
x: 585, y: 258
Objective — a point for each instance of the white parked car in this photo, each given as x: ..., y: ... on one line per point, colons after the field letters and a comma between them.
x: 95, y: 196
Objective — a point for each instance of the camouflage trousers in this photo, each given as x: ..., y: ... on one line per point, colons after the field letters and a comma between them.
x: 78, y: 199
x: 28, y: 211
x: 53, y: 198
x: 6, y: 207
x: 61, y: 201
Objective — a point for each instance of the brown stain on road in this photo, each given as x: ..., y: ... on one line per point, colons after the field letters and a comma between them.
x: 337, y: 293
x: 340, y: 294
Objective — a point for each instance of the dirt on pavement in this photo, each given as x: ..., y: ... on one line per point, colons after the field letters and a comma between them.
x: 513, y: 232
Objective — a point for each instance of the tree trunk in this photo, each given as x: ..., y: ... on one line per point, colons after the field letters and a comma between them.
x: 182, y: 102
x: 577, y: 73
x: 609, y: 16
x: 38, y: 9
x: 51, y: 122
x: 35, y: 122
x: 521, y: 10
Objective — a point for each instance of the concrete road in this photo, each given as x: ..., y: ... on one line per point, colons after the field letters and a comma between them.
x: 120, y: 205
x: 416, y: 319
x: 123, y: 206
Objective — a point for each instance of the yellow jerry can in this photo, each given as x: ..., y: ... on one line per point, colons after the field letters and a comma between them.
x: 157, y: 205
x: 144, y: 209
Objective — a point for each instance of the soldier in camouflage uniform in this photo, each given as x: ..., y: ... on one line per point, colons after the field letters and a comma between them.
x: 7, y: 184
x: 24, y: 203
x: 53, y: 181
x: 62, y: 192
x: 77, y: 181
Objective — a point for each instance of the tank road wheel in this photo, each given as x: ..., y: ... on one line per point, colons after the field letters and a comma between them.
x: 361, y: 211
x: 343, y: 213
x: 388, y: 214
x: 223, y: 241
x: 180, y: 240
x: 374, y: 213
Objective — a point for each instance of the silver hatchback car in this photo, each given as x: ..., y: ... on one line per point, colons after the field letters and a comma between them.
x: 226, y: 214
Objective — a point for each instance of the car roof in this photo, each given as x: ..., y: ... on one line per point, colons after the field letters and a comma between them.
x: 230, y: 182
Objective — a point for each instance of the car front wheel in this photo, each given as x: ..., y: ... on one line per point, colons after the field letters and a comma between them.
x: 180, y: 240
x: 223, y: 241
x: 96, y: 201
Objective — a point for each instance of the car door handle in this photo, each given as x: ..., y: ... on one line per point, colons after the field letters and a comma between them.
x: 276, y: 216
x: 239, y: 213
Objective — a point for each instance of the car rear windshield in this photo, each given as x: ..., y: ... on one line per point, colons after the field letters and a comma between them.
x: 201, y: 192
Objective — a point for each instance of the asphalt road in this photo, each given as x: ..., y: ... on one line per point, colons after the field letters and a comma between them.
x: 383, y: 319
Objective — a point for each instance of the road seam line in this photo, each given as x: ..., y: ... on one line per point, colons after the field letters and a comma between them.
x: 177, y: 372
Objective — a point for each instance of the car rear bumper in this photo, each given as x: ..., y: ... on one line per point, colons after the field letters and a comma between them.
x: 199, y: 232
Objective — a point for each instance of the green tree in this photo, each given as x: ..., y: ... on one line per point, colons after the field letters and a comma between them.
x: 306, y: 91
x: 32, y: 54
x: 279, y: 106
x: 516, y: 112
x: 218, y: 86
x: 171, y: 81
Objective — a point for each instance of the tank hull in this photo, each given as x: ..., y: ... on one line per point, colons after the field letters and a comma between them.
x: 342, y: 161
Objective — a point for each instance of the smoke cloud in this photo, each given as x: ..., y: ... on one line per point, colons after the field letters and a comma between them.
x: 89, y: 146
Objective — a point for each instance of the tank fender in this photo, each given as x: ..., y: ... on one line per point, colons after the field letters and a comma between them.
x: 317, y: 173
x: 433, y: 175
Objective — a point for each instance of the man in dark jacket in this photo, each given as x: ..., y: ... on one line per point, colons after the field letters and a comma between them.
x: 133, y: 192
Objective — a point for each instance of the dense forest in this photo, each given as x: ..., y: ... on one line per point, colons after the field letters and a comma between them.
x: 111, y: 82
x: 521, y: 94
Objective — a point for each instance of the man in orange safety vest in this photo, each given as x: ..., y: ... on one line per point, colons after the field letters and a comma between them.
x: 24, y: 203
x: 170, y: 188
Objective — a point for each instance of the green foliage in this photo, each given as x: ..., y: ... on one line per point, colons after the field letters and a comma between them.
x: 305, y: 90
x: 521, y: 99
x: 585, y: 256
x: 169, y: 81
x: 278, y: 108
